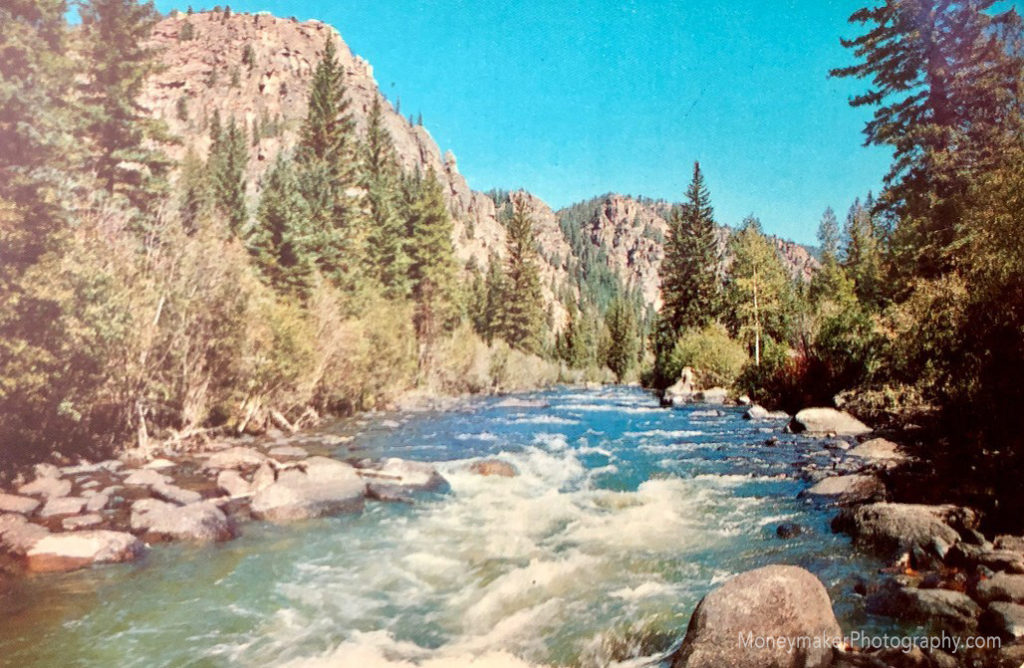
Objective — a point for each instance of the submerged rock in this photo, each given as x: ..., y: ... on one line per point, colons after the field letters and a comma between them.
x: 789, y: 530
x: 827, y: 421
x: 78, y: 549
x: 847, y: 489
x: 325, y: 487
x: 487, y: 467
x: 770, y: 602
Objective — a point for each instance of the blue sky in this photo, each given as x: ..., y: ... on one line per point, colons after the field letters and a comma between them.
x: 577, y: 98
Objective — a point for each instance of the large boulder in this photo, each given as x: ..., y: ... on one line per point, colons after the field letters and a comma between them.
x: 1005, y: 620
x: 682, y: 390
x: 325, y: 487
x: 200, y: 522
x: 741, y: 623
x: 78, y: 549
x: 233, y: 484
x: 404, y: 475
x: 827, y: 421
x: 847, y: 489
x: 895, y: 529
x: 1001, y: 587
x: 12, y: 503
x: 946, y: 609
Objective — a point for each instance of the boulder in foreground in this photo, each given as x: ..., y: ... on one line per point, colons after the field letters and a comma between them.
x: 762, y: 606
x: 895, y: 529
x: 827, y: 421
x: 77, y: 549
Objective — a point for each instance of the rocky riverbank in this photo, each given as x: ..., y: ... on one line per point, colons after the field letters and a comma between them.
x: 70, y: 517
x: 942, y: 573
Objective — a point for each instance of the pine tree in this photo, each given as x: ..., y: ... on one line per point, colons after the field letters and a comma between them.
x: 577, y: 343
x: 120, y: 130
x: 758, y: 293
x: 494, y: 306
x: 387, y: 260
x: 828, y: 236
x: 623, y: 343
x: 328, y: 161
x: 831, y: 277
x: 229, y: 158
x: 432, y: 269
x: 522, y: 319
x: 945, y: 85
x: 863, y: 253
x: 195, y: 197
x: 280, y: 241
x: 690, y: 284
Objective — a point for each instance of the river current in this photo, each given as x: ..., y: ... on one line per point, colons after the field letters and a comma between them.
x: 622, y: 517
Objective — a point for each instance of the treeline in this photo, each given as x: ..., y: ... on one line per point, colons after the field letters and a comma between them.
x: 918, y: 310
x: 145, y: 300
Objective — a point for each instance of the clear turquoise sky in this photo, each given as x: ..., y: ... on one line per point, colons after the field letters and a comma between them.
x: 571, y: 99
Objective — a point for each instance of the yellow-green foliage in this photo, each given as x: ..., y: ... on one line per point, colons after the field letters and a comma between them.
x: 717, y: 358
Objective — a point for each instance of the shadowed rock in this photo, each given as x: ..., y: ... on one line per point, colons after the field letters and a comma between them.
x: 847, y: 489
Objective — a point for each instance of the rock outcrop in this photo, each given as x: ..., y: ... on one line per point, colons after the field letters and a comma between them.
x: 763, y: 605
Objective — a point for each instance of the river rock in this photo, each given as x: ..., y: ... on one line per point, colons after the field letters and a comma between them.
x: 877, y: 449
x: 682, y: 390
x: 400, y: 475
x: 756, y: 412
x: 288, y: 452
x: 827, y: 421
x: 714, y: 395
x: 47, y: 487
x: 65, y: 505
x: 264, y: 477
x: 1015, y: 543
x: 972, y: 556
x: 950, y: 610
x: 97, y: 502
x: 201, y: 522
x: 487, y: 467
x: 46, y: 470
x: 894, y: 529
x: 238, y: 457
x: 326, y: 487
x: 175, y: 494
x: 789, y: 530
x: 159, y: 464
x: 81, y: 521
x: 1001, y: 587
x: 145, y: 478
x: 233, y: 484
x: 773, y: 601
x: 847, y: 489
x: 12, y: 503
x: 18, y: 535
x: 1004, y: 619
x: 77, y: 549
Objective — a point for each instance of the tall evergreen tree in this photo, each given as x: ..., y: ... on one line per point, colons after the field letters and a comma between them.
x: 229, y: 158
x: 690, y: 284
x: 863, y: 253
x: 522, y: 319
x: 195, y: 199
x: 831, y: 277
x: 623, y: 343
x: 327, y: 155
x: 828, y: 236
x: 432, y: 269
x: 946, y: 87
x: 387, y: 260
x: 280, y: 241
x: 119, y: 62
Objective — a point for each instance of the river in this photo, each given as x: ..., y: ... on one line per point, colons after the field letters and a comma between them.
x: 622, y: 516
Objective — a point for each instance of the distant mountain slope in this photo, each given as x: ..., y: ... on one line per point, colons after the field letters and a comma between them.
x: 257, y: 70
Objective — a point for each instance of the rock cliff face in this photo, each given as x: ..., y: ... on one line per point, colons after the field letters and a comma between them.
x: 257, y: 70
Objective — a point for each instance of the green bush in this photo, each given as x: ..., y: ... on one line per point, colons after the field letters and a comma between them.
x: 717, y: 359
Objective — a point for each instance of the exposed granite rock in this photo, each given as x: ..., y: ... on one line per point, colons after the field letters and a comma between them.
x: 950, y: 610
x: 326, y: 487
x: 827, y: 421
x: 200, y: 522
x: 12, y: 503
x: 18, y: 535
x: 847, y: 489
x: 47, y: 487
x: 774, y: 601
x: 65, y: 505
x: 1001, y: 587
x: 78, y: 549
x: 238, y: 457
x: 895, y: 529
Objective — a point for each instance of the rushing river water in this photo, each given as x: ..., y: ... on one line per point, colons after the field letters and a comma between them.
x: 622, y: 517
